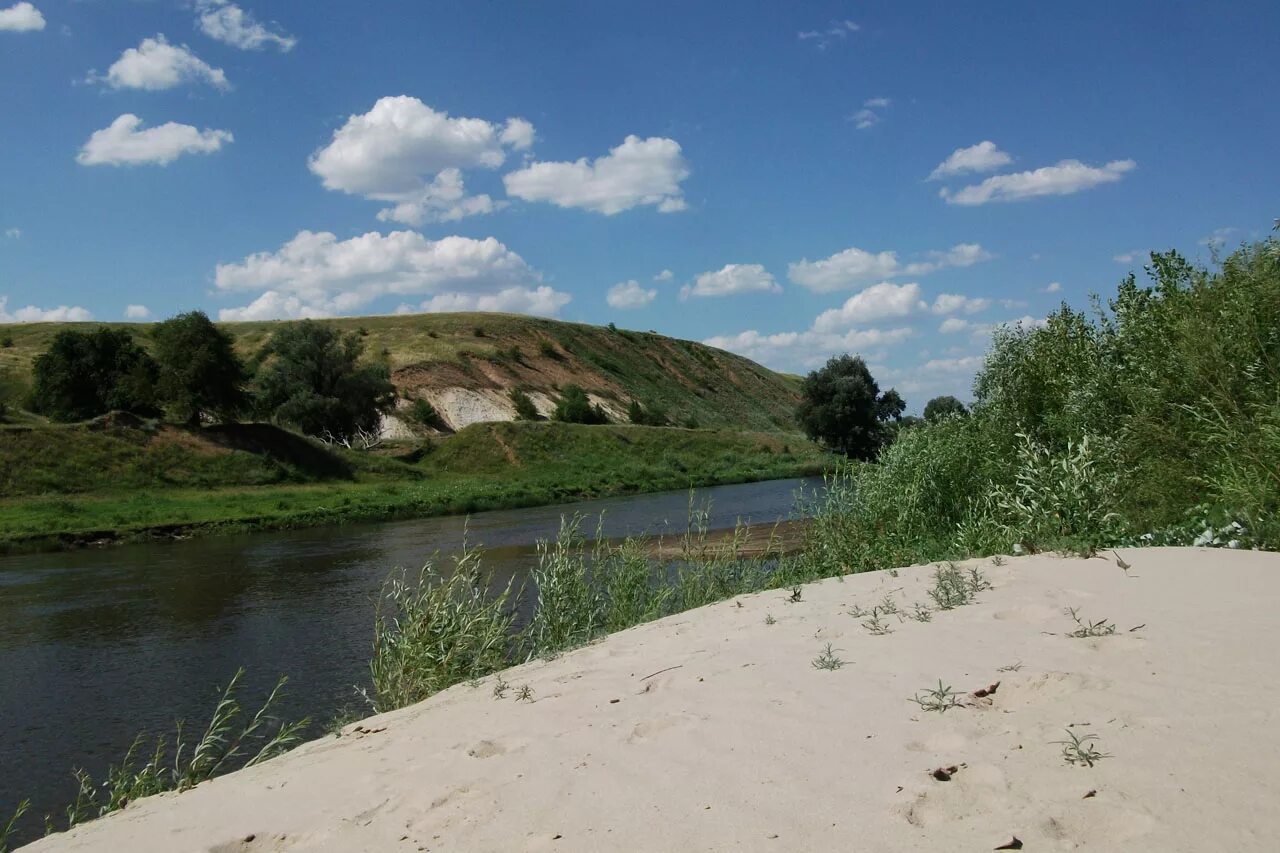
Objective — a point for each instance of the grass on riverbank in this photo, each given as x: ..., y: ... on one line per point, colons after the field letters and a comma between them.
x: 76, y: 485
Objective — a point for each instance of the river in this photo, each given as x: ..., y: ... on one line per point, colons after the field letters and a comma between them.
x: 98, y: 645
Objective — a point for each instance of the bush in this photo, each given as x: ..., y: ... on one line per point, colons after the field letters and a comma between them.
x: 314, y: 380
x: 842, y: 407
x: 546, y: 349
x: 199, y: 372
x: 85, y: 374
x: 652, y: 415
x: 525, y: 409
x: 944, y: 407
x: 575, y: 407
x: 6, y: 342
x: 422, y: 412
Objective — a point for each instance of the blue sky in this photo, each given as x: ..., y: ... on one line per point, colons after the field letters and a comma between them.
x: 889, y: 178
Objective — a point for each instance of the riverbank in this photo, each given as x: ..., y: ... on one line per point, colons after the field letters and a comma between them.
x: 76, y: 487
x: 759, y: 722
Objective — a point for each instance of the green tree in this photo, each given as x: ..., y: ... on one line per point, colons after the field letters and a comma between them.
x: 945, y: 406
x: 199, y: 371
x: 525, y: 409
x: 842, y: 406
x: 651, y: 415
x: 575, y: 407
x: 85, y: 374
x: 314, y: 380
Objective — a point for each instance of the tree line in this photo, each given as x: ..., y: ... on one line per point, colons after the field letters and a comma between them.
x: 309, y: 376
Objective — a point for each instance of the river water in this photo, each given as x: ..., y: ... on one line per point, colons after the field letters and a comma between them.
x: 98, y: 645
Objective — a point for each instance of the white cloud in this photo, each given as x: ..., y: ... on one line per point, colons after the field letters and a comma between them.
x: 1064, y: 178
x: 136, y: 312
x: 637, y: 172
x: 1130, y: 256
x: 951, y: 325
x: 402, y: 151
x: 835, y: 31
x: 665, y: 275
x: 983, y: 157
x: 155, y: 65
x: 731, y: 279
x: 1219, y: 237
x: 807, y: 349
x: 124, y: 143
x: 955, y: 303
x: 443, y: 200
x: 629, y: 294
x: 316, y: 274
x: 13, y: 233
x: 226, y: 22
x: 855, y: 266
x: 868, y: 115
x: 1053, y: 287
x: 878, y: 302
x: 21, y: 18
x: 32, y: 314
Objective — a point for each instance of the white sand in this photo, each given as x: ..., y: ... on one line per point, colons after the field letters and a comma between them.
x: 746, y: 746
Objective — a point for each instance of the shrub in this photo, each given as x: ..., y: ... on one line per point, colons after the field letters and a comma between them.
x: 478, y: 332
x: 546, y: 349
x: 652, y: 415
x: 85, y: 374
x: 6, y: 342
x: 944, y: 407
x: 575, y: 407
x: 525, y: 409
x: 422, y: 412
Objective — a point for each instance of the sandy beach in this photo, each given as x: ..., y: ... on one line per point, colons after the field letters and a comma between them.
x: 714, y: 730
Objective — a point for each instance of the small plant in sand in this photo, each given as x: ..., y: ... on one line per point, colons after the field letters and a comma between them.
x: 997, y: 561
x: 524, y: 694
x: 953, y: 588
x: 768, y: 619
x: 876, y: 625
x: 1013, y: 667
x: 941, y: 698
x: 1079, y: 750
x: 887, y: 606
x: 797, y: 594
x: 1086, y: 628
x: 828, y: 659
x: 921, y: 613
x: 500, y: 687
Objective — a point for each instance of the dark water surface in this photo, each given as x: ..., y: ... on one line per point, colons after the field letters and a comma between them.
x: 98, y: 645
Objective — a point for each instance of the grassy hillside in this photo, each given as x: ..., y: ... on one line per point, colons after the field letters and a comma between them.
x: 95, y: 482
x: 500, y: 351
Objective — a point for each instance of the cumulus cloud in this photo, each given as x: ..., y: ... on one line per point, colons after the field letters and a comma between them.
x: 1130, y: 256
x: 629, y: 294
x: 21, y: 18
x: 1065, y: 178
x: 32, y: 314
x: 226, y: 22
x: 878, y: 302
x: 665, y: 275
x: 952, y: 325
x: 445, y: 199
x: 402, y: 151
x: 1053, y: 287
x: 871, y: 113
x: 834, y: 32
x: 155, y: 65
x: 638, y: 172
x: 732, y: 279
x: 854, y: 266
x: 125, y: 143
x: 955, y: 303
x: 809, y: 348
x: 136, y: 312
x: 983, y: 157
x: 315, y: 274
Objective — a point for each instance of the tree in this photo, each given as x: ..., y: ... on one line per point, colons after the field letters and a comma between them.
x: 842, y: 407
x: 86, y: 374
x: 651, y: 415
x: 945, y: 406
x: 525, y: 409
x: 199, y: 371
x: 313, y: 379
x: 574, y: 407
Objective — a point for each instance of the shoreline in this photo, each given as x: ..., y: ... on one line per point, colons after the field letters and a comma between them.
x: 479, y: 499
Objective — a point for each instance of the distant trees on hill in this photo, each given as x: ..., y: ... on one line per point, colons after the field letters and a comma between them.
x: 200, y: 374
x: 945, y: 406
x: 85, y: 374
x: 574, y: 407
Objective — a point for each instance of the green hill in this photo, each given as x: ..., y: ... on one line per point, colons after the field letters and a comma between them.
x: 431, y: 355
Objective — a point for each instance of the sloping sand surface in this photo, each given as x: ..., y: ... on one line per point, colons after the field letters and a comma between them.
x: 712, y: 730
